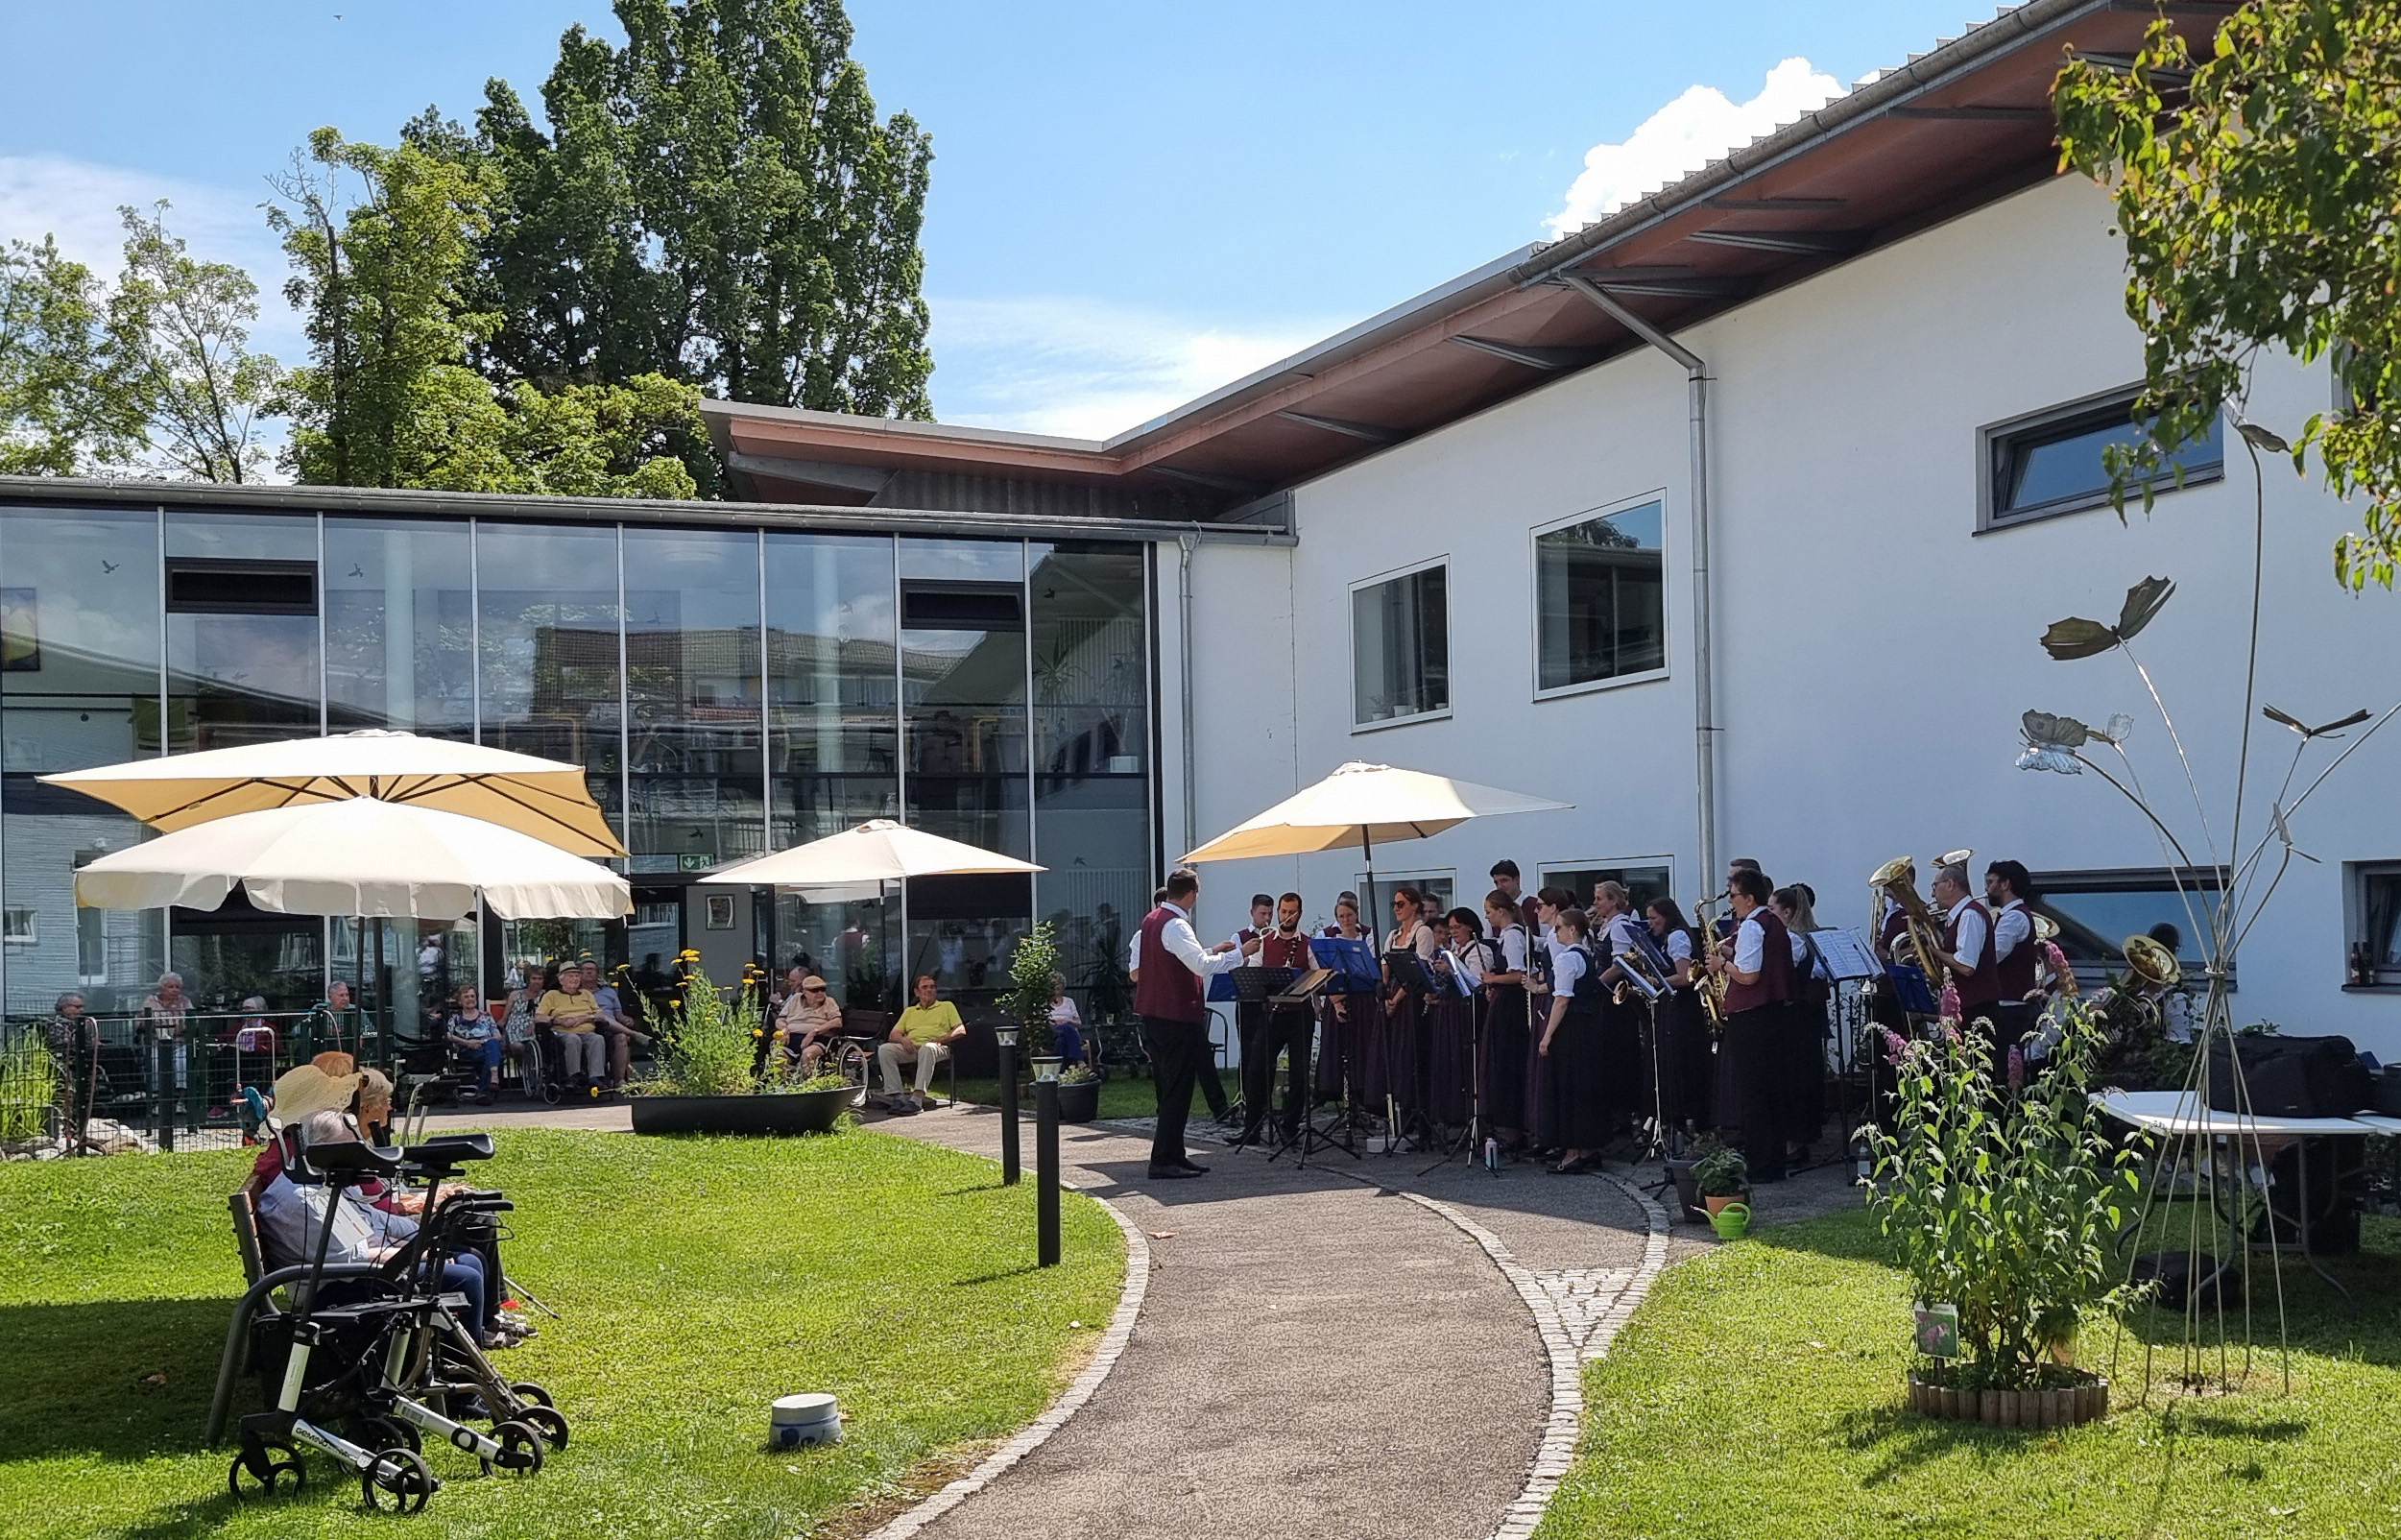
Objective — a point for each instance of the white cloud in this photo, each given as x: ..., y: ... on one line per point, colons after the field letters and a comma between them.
x: 1696, y: 128
x: 1087, y: 368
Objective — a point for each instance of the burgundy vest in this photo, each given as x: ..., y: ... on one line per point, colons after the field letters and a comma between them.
x: 1275, y: 951
x: 1982, y: 986
x: 1167, y: 989
x: 2016, y: 971
x: 1775, y: 966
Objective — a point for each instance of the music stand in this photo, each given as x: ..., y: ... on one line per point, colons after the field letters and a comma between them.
x: 1344, y: 966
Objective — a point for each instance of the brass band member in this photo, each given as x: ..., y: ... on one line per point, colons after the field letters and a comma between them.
x: 1570, y: 1045
x: 2017, y: 954
x: 1278, y: 1030
x: 1813, y: 998
x: 1543, y: 960
x: 1683, y: 1033
x: 1758, y: 964
x: 1966, y: 948
x: 1622, y: 1067
x: 1508, y: 1027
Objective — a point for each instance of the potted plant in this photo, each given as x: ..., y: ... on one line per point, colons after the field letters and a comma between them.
x: 1722, y: 1176
x: 1680, y: 1171
x: 711, y: 1076
x: 1031, y: 970
x: 1079, y: 1094
x: 2003, y: 1210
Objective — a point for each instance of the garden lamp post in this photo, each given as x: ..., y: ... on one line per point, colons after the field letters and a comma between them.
x: 1006, y: 1036
x: 1046, y: 1159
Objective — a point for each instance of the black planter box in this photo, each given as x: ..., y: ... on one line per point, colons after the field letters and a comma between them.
x: 1079, y: 1103
x: 795, y: 1111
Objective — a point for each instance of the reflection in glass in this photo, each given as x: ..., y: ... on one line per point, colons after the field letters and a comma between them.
x: 832, y: 688
x: 848, y: 944
x: 2096, y: 914
x: 692, y: 687
x: 241, y: 657
x: 237, y: 953
x: 1401, y: 647
x: 963, y: 683
x: 961, y: 931
x: 398, y: 626
x: 547, y: 606
x: 1091, y: 735
x: 2062, y: 464
x: 79, y: 686
x: 1598, y: 589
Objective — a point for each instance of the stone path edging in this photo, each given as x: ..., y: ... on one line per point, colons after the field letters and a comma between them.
x: 1543, y: 1299
x: 1032, y: 1437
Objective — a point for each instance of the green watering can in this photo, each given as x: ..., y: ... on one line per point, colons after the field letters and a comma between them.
x: 1731, y: 1222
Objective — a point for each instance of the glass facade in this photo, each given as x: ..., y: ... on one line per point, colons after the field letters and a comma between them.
x: 728, y: 690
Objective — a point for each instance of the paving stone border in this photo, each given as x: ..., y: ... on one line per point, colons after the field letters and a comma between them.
x: 1571, y: 1333
x: 1032, y: 1437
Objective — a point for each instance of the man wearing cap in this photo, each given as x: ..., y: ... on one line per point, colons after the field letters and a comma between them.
x: 808, y: 1019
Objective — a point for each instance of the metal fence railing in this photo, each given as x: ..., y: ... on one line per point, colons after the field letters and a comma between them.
x: 129, y: 1083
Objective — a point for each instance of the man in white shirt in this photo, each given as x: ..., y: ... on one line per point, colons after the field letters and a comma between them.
x: 2015, y: 953
x: 1171, y: 997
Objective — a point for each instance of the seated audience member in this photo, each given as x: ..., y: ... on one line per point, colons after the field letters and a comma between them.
x: 471, y: 1031
x: 614, y: 1023
x: 1066, y: 1023
x: 570, y: 1012
x: 809, y: 1021
x: 923, y: 1036
x: 73, y: 1039
x: 328, y: 1083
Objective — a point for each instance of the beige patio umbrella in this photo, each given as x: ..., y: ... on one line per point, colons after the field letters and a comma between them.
x: 877, y: 852
x: 1361, y: 804
x: 360, y: 857
x: 541, y: 798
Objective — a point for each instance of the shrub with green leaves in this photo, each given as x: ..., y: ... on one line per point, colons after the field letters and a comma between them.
x: 28, y: 1086
x: 1031, y: 972
x: 715, y: 1043
x: 2005, y: 1205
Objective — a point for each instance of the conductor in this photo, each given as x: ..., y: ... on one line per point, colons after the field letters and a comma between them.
x: 1168, y: 997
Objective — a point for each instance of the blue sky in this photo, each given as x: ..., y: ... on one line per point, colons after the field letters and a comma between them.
x: 1132, y: 203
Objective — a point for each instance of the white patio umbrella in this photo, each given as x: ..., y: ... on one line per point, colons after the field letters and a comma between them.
x: 362, y: 856
x: 1361, y: 804
x: 877, y: 852
x: 542, y: 798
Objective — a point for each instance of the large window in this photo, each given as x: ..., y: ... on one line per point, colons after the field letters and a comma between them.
x: 1401, y: 647
x: 546, y: 602
x: 2374, y: 897
x: 1643, y: 880
x: 2052, y: 461
x: 399, y: 627
x: 2096, y: 911
x: 832, y: 685
x: 242, y: 630
x: 1599, y: 599
x: 693, y: 667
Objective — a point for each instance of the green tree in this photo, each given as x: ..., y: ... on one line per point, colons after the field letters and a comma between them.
x: 715, y: 201
x: 381, y: 240
x: 2256, y: 181
x: 177, y: 333
x: 64, y: 406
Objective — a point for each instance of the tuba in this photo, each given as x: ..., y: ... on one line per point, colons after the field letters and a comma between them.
x: 1897, y: 880
x: 2151, y: 965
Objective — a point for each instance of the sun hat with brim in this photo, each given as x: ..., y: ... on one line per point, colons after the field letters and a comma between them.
x: 306, y: 1089
x: 812, y: 981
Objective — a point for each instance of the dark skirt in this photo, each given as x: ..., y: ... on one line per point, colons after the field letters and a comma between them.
x: 1390, y: 1058
x: 1625, y: 1067
x: 1582, y: 1116
x: 1338, y: 1047
x: 1506, y: 1046
x: 1685, y: 1062
x: 1805, y: 1085
x: 1541, y: 1122
x: 1451, y: 1059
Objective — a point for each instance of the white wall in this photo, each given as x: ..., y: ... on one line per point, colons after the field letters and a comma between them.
x: 1874, y: 652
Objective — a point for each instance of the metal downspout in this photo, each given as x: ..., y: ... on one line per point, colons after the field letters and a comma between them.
x: 1704, y: 680
x: 1185, y: 544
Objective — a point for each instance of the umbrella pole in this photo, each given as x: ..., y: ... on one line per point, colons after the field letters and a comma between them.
x: 1370, y: 919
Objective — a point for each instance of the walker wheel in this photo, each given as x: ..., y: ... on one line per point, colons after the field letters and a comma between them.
x: 268, y: 1474
x: 527, y: 1390
x: 549, y: 1422
x: 399, y: 1475
x: 520, y: 1449
x: 383, y: 1432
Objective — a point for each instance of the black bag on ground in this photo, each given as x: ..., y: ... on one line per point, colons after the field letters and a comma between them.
x: 2292, y: 1076
x: 2180, y: 1273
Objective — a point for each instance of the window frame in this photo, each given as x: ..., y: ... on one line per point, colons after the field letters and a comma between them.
x: 2355, y: 875
x: 2091, y: 973
x: 1993, y: 439
x: 1350, y: 629
x: 1534, y: 596
x: 26, y: 935
x: 1547, y: 872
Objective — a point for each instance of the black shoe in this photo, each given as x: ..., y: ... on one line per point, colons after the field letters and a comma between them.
x: 1175, y: 1173
x: 1190, y: 1169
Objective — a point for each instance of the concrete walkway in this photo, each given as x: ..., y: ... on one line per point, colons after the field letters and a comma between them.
x: 1355, y: 1349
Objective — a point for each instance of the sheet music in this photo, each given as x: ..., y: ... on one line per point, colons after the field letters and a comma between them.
x: 1847, y: 953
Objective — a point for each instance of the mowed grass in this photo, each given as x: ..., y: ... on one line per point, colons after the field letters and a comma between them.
x: 698, y: 1278
x: 1757, y: 1393
x: 1121, y: 1095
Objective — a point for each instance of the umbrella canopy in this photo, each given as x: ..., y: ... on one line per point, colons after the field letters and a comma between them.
x: 541, y: 798
x: 878, y: 851
x: 1361, y: 806
x: 361, y: 856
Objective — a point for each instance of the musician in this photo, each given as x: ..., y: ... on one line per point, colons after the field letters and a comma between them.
x: 1504, y: 882
x: 1347, y: 1015
x: 1804, y: 1081
x: 1541, y: 913
x: 1726, y: 922
x: 1409, y: 934
x: 1250, y: 1016
x: 1213, y: 1089
x: 1684, y: 1050
x: 1622, y: 1013
x: 1508, y: 1027
x: 1283, y: 1030
x: 2009, y: 889
x: 1758, y: 967
x: 1452, y: 1039
x: 1579, y: 1116
x: 1171, y: 997
x: 1966, y: 948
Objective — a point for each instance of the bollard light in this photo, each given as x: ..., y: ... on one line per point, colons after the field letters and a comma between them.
x: 1046, y: 1065
x: 1046, y: 1160
x: 1007, y: 1037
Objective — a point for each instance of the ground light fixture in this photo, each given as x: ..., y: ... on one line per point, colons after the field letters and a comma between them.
x: 1007, y: 1037
x: 1046, y: 1159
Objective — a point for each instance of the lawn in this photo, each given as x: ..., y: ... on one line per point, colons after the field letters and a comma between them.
x: 698, y: 1280
x: 1757, y: 1393
x: 1121, y: 1095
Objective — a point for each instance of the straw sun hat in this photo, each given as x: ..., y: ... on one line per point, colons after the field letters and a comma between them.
x: 326, y: 1083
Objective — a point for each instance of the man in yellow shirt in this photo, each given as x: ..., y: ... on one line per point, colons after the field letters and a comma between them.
x: 923, y: 1036
x: 571, y: 1012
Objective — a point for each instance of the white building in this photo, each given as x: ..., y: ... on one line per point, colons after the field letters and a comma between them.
x: 1915, y: 343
